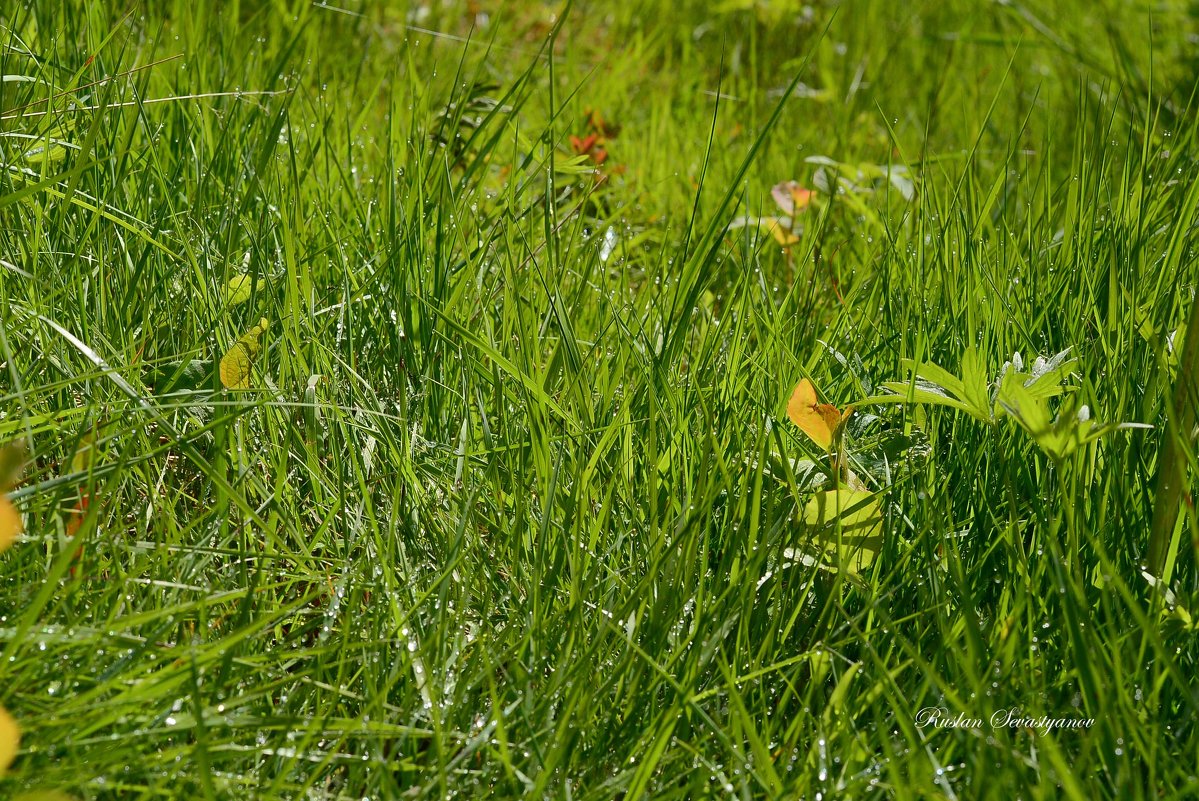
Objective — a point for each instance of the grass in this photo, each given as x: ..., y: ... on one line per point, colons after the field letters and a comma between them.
x: 511, y: 506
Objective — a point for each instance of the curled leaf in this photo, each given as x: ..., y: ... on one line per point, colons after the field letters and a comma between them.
x: 820, y: 421
x: 238, y: 360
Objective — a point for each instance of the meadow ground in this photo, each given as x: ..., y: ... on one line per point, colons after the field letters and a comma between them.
x: 406, y: 396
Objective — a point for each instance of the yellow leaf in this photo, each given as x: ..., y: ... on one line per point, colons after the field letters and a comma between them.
x: 239, y: 288
x: 781, y: 234
x: 239, y: 359
x: 12, y: 458
x: 848, y: 527
x: 10, y: 740
x: 819, y: 421
x: 10, y: 523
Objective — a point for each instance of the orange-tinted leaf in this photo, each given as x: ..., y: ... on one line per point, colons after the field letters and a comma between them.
x: 597, y: 123
x: 584, y: 144
x: 10, y: 523
x: 818, y: 420
x: 791, y: 197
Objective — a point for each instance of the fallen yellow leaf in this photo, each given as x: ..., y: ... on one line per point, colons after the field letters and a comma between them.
x: 239, y: 359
